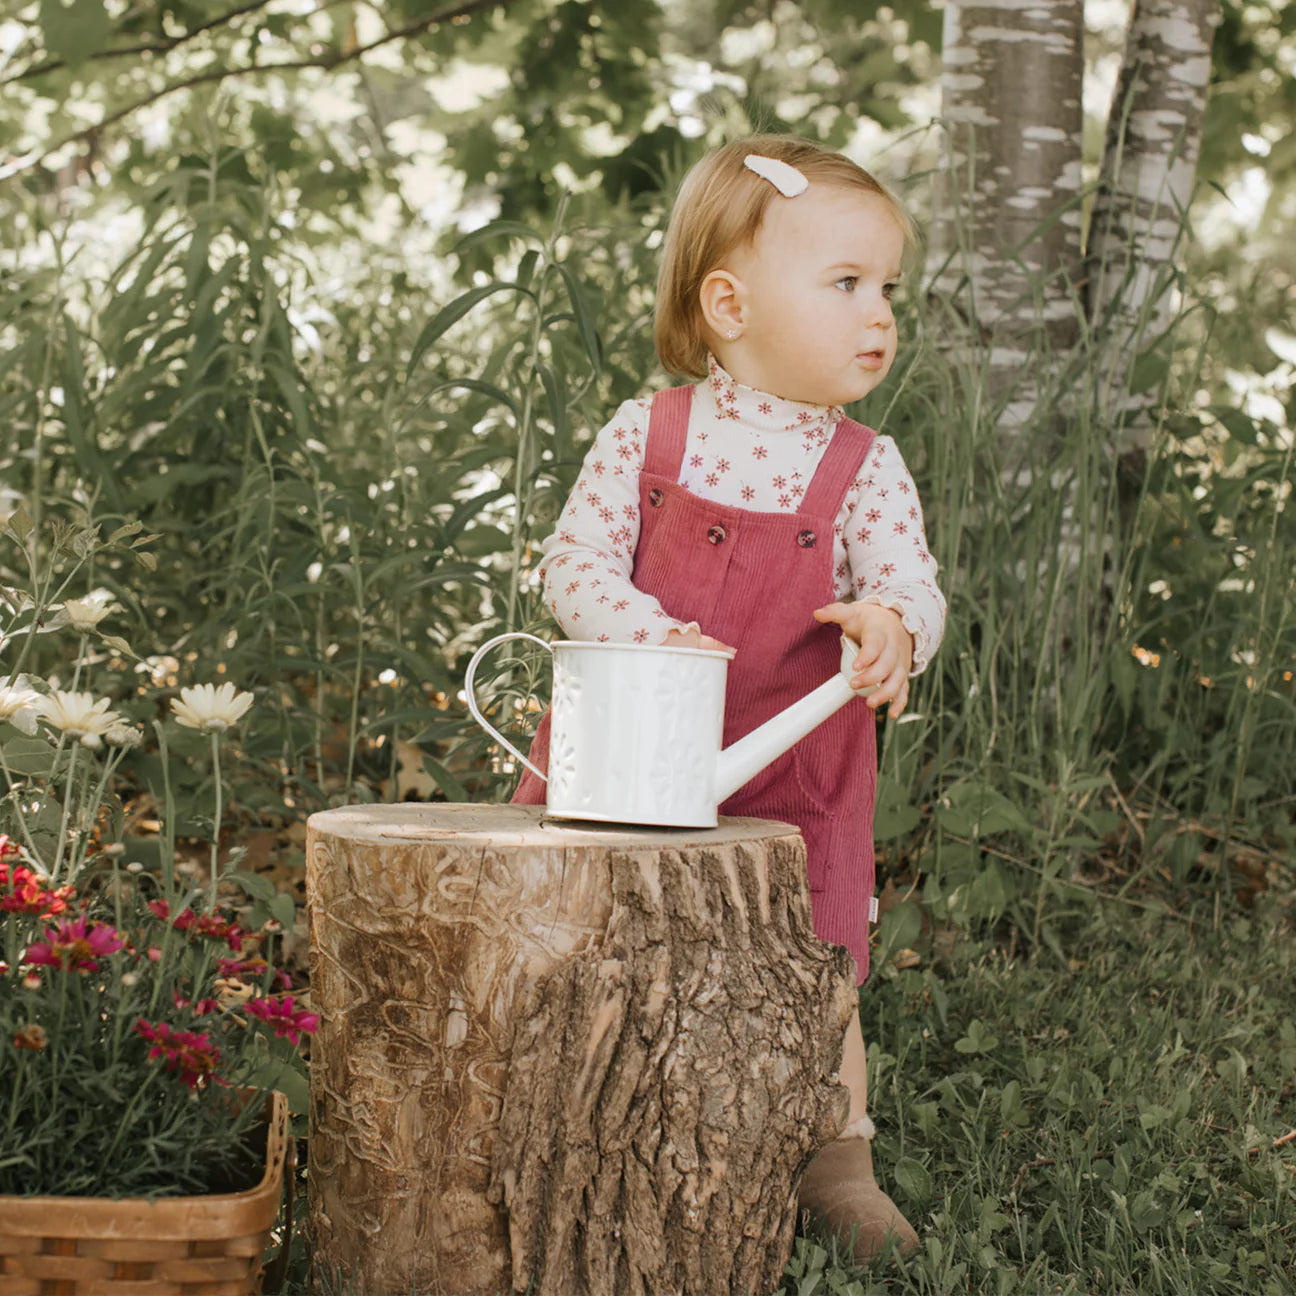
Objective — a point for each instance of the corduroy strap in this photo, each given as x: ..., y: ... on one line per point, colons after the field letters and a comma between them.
x: 839, y: 467
x: 668, y: 432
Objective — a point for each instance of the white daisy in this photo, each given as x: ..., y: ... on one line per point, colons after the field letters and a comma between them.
x: 80, y: 716
x: 85, y: 614
x: 210, y: 708
x: 19, y: 705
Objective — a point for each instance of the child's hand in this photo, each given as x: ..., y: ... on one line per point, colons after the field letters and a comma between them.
x: 695, y: 639
x: 885, y: 650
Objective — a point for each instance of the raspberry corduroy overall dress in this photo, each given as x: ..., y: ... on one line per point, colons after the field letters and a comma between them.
x: 753, y: 580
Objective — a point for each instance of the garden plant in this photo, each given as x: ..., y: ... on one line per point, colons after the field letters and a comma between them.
x: 145, y: 1020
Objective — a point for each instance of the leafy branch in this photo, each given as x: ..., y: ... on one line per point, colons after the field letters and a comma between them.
x: 127, y: 51
x: 326, y: 62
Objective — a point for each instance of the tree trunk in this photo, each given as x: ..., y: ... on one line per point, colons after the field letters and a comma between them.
x: 1148, y: 169
x: 1005, y: 244
x: 649, y: 1009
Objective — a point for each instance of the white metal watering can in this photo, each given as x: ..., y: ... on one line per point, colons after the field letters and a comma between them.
x: 636, y: 730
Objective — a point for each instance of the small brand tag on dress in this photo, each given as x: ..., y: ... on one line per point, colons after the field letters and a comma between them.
x: 873, y: 909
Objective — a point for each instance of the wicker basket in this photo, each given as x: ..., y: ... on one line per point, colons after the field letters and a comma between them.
x: 202, y: 1245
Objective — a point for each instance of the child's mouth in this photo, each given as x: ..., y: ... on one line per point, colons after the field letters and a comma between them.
x: 872, y: 359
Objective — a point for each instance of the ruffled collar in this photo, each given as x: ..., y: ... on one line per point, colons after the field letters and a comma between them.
x: 760, y: 411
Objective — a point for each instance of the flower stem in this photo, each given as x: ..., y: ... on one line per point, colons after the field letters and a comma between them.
x: 59, y: 1037
x: 167, y: 836
x: 80, y: 658
x: 216, y: 823
x: 95, y: 800
x: 21, y: 818
x: 122, y: 1126
x: 67, y: 809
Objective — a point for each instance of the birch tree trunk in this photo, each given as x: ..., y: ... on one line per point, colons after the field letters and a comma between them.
x: 1005, y: 246
x: 1148, y: 170
x: 1006, y: 234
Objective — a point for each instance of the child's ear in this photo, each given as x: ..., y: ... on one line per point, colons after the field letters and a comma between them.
x: 720, y: 298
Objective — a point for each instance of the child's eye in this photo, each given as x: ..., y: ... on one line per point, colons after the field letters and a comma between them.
x: 848, y: 283
x: 888, y: 289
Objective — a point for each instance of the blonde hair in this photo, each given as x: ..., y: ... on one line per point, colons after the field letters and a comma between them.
x: 720, y: 207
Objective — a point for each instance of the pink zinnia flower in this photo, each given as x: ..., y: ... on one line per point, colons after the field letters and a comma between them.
x: 214, y: 927
x: 211, y: 925
x: 26, y: 894
x: 74, y: 945
x: 162, y: 909
x: 283, y: 1017
x: 201, y: 1008
x: 242, y: 968
x: 192, y: 1056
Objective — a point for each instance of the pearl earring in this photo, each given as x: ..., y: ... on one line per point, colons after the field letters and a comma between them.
x: 733, y: 333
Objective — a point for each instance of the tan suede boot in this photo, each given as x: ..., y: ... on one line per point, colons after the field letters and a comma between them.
x: 838, y: 1191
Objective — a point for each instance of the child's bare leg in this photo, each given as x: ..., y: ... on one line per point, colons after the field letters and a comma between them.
x: 854, y: 1070
x: 838, y: 1188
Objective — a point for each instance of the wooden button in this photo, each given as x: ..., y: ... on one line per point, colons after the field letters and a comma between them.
x: 655, y: 497
x: 717, y: 534
x: 806, y: 539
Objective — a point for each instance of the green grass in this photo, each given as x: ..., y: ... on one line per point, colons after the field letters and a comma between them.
x: 1106, y: 1126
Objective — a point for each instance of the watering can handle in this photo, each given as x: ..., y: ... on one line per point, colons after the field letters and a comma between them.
x: 472, y: 700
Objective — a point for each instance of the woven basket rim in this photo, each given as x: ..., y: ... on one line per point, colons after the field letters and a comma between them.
x: 202, y: 1216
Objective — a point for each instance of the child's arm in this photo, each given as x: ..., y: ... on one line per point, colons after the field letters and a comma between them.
x: 886, y: 547
x: 589, y: 559
x: 898, y: 614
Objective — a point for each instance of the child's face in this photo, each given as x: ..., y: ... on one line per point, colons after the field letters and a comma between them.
x: 813, y: 297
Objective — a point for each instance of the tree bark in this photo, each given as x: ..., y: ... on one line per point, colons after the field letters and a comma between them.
x: 1146, y: 180
x: 1005, y: 244
x: 648, y: 1009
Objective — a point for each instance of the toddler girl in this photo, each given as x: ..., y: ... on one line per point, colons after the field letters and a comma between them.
x: 747, y: 513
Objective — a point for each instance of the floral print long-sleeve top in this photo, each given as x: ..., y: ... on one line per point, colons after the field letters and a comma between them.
x: 749, y: 450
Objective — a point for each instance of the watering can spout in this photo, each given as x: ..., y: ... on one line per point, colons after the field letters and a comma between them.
x: 743, y: 760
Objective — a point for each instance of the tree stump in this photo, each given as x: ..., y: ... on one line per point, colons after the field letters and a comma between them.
x: 608, y: 1051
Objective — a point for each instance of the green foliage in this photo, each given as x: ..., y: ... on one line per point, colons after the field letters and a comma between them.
x: 1115, y: 1132
x: 1118, y: 648
x: 606, y: 99
x: 344, y: 508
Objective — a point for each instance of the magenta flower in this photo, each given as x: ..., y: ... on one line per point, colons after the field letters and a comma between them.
x: 201, y: 1008
x: 210, y: 925
x: 74, y: 945
x: 283, y: 1017
x: 192, y: 1056
x: 21, y: 890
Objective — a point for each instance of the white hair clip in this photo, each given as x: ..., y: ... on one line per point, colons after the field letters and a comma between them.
x: 786, y: 179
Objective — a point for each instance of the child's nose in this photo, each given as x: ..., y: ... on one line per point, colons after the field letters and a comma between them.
x: 878, y: 312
